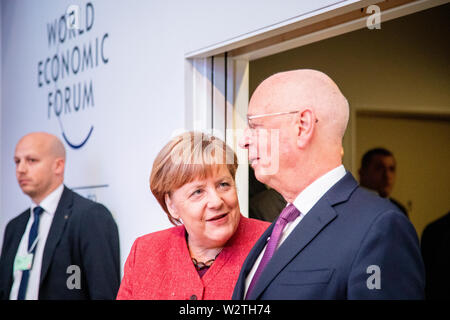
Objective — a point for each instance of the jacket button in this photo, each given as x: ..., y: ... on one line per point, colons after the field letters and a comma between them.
x: 193, y: 297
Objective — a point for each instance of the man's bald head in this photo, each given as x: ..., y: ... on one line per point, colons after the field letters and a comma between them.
x: 48, y: 142
x: 40, y: 161
x: 305, y: 88
x: 306, y: 113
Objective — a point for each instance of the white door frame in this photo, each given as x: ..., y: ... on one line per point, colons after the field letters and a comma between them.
x: 217, y: 94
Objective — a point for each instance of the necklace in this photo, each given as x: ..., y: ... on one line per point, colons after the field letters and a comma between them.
x: 199, y: 265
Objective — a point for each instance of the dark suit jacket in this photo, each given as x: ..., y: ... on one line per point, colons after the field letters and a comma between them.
x: 436, y: 255
x: 332, y: 252
x: 266, y: 205
x: 83, y: 233
x: 400, y: 206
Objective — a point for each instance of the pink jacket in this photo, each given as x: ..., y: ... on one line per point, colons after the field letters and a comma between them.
x: 159, y: 266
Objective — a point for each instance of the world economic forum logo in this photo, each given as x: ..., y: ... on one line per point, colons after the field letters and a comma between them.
x: 67, y: 71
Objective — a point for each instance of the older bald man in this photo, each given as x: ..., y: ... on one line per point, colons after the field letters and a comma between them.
x: 65, y: 246
x: 334, y: 240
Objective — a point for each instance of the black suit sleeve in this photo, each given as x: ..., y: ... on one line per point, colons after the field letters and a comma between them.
x: 5, y: 264
x: 435, y: 247
x: 11, y: 239
x: 100, y: 251
x: 427, y: 249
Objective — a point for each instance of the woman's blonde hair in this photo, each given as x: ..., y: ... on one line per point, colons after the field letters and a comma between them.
x: 187, y: 157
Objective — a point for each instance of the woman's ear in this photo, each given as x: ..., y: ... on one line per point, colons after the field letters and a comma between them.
x: 306, y: 122
x: 171, y: 207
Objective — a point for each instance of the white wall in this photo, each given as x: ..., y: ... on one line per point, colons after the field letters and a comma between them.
x: 213, y: 22
x: 138, y: 94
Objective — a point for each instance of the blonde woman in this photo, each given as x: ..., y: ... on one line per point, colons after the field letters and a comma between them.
x: 193, y: 179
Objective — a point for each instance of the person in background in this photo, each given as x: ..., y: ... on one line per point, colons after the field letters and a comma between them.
x: 264, y: 203
x: 64, y: 247
x: 333, y: 240
x: 201, y: 256
x: 377, y: 173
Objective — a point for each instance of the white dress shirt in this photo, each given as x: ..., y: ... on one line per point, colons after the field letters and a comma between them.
x: 49, y: 204
x: 304, y: 202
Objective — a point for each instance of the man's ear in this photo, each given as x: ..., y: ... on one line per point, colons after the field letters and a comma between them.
x: 305, y: 124
x: 171, y: 207
x: 59, y: 166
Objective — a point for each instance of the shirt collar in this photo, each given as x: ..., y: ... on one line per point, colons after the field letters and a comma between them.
x: 312, y: 193
x: 50, y: 203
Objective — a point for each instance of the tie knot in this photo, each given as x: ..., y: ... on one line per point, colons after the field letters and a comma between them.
x: 290, y: 213
x: 37, y: 211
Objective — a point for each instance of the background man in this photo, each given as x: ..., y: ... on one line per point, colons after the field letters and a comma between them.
x: 64, y: 246
x: 334, y: 240
x: 377, y: 173
x: 264, y: 204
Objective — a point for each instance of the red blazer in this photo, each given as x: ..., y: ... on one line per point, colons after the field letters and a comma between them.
x: 159, y: 266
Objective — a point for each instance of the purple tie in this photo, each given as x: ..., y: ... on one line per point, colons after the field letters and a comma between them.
x: 290, y: 213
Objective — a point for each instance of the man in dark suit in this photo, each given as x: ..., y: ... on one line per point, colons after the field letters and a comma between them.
x: 64, y: 246
x: 264, y: 204
x: 334, y: 240
x: 435, y: 247
x: 378, y: 172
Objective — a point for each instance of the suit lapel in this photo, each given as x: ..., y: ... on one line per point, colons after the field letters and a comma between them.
x: 257, y: 248
x: 19, y: 232
x: 60, y: 219
x: 10, y: 250
x: 313, y: 223
x: 250, y: 261
x: 303, y: 233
